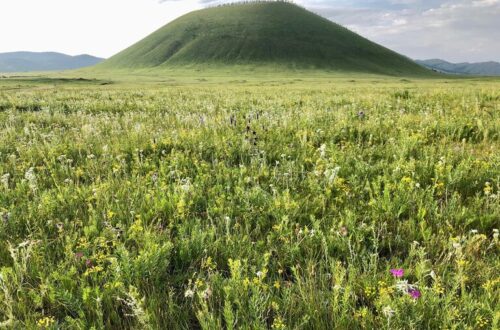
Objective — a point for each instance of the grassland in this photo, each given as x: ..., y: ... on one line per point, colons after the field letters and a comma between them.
x: 278, y: 203
x: 274, y: 34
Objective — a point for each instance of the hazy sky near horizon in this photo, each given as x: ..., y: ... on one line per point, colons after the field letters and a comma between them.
x: 454, y: 30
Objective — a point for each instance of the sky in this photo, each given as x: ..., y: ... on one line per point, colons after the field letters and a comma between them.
x: 454, y: 30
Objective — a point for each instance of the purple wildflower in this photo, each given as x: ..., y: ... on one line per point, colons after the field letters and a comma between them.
x: 398, y: 273
x: 415, y: 293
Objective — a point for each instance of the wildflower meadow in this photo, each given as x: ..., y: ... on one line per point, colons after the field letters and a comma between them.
x: 275, y: 204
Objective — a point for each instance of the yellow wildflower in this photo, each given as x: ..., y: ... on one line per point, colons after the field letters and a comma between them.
x: 278, y: 323
x: 45, y: 322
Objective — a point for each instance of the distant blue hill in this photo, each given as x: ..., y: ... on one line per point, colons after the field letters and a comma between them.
x: 482, y: 69
x: 48, y: 61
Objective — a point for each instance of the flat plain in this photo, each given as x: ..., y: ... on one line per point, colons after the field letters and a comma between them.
x: 284, y: 202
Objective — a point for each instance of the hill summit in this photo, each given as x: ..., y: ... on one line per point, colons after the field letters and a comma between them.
x: 260, y: 33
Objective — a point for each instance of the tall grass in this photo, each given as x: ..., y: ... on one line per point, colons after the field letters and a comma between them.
x: 247, y: 207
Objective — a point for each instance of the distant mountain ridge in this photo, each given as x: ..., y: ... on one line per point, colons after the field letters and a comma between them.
x: 482, y: 68
x: 45, y: 61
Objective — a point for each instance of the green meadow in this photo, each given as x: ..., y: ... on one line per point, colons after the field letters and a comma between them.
x: 183, y: 201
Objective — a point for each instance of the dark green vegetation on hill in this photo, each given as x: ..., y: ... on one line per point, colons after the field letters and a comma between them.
x: 278, y: 204
x: 268, y: 34
x: 48, y: 61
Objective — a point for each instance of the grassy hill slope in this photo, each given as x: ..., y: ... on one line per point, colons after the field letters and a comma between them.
x: 273, y: 33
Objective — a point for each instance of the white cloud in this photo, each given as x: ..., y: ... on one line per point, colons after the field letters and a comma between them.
x: 98, y: 27
x: 456, y: 30
x: 460, y: 30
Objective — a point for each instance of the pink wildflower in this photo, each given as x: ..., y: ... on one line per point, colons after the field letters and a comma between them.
x: 415, y: 293
x: 398, y: 273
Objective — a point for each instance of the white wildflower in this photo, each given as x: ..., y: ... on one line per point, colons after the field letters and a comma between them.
x: 186, y: 185
x: 31, y: 178
x: 24, y: 244
x: 388, y: 311
x: 5, y: 180
x: 331, y: 174
x: 189, y: 293
x: 322, y: 150
x: 403, y: 286
x: 154, y: 178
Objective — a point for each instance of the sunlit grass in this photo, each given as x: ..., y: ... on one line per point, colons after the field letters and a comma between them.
x: 281, y: 203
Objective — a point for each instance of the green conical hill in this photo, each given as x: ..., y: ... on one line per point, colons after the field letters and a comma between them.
x: 261, y: 33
